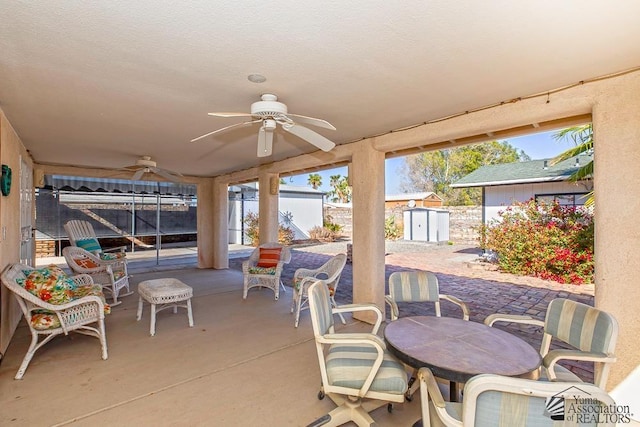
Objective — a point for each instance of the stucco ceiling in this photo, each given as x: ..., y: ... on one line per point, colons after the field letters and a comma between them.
x: 99, y: 84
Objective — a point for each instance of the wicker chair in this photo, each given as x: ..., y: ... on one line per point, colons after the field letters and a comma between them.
x: 111, y: 274
x: 329, y: 272
x: 593, y: 334
x: 50, y: 320
x: 265, y: 274
x: 81, y: 233
x: 494, y: 400
x: 358, y: 373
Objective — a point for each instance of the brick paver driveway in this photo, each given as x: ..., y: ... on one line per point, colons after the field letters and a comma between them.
x: 485, y: 291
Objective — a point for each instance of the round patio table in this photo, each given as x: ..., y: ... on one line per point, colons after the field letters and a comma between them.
x: 456, y: 349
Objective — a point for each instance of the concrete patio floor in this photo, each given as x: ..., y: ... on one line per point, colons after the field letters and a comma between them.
x: 243, y: 364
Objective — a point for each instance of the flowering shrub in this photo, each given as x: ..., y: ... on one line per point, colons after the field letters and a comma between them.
x: 251, y: 220
x: 543, y: 240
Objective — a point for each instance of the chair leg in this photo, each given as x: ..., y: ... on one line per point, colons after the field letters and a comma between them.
x: 152, y: 328
x: 190, y: 313
x: 140, y: 304
x: 103, y: 339
x: 298, y: 308
x: 27, y: 357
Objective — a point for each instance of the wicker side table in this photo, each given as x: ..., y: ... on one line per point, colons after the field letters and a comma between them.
x: 161, y: 294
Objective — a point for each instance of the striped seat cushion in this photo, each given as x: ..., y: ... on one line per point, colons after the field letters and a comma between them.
x: 89, y: 245
x: 348, y: 365
x: 269, y: 257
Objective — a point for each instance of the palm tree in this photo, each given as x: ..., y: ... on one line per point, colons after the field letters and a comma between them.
x: 582, y: 137
x: 315, y: 180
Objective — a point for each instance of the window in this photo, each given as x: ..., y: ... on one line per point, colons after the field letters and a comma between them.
x: 564, y: 199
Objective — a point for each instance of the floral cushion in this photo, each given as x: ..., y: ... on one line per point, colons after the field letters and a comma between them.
x: 262, y: 270
x: 89, y: 245
x: 112, y: 256
x: 50, y: 284
x: 44, y: 319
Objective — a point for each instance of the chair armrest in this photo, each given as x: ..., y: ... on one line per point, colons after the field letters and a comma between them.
x: 70, y: 304
x: 395, y: 312
x: 115, y: 249
x: 304, y: 272
x: 561, y: 354
x: 463, y: 305
x: 350, y: 308
x: 431, y: 387
x: 82, y: 279
x: 352, y: 338
x: 514, y: 318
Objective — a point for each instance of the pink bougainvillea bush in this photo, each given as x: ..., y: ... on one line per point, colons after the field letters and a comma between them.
x: 544, y: 240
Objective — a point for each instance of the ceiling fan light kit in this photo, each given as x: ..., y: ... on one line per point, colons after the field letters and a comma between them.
x: 271, y: 112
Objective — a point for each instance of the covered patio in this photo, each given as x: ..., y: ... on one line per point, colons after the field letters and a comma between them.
x: 243, y: 362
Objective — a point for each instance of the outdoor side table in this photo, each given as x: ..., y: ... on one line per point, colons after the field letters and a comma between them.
x: 162, y: 294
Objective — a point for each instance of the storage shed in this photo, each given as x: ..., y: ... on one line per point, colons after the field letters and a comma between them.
x: 425, y: 224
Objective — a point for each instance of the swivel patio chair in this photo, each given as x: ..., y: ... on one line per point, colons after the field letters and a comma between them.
x: 418, y: 286
x: 592, y: 333
x: 329, y: 272
x: 358, y: 373
x: 264, y: 267
x: 111, y: 274
x: 494, y: 400
x: 55, y: 304
x: 81, y: 234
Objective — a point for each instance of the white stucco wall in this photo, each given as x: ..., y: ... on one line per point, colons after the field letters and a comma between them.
x: 305, y: 209
x: 498, y: 198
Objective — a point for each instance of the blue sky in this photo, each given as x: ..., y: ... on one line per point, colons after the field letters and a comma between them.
x: 537, y: 146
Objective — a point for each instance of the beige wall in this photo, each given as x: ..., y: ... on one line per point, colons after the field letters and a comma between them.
x: 616, y: 127
x: 11, y: 149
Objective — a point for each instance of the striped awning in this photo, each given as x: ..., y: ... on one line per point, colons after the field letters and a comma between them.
x: 74, y: 183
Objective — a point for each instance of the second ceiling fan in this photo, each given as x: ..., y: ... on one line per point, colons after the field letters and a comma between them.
x: 272, y: 113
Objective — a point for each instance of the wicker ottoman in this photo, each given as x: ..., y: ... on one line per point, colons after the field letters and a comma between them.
x: 161, y: 294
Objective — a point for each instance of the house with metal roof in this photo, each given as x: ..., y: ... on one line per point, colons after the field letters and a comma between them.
x: 521, y: 181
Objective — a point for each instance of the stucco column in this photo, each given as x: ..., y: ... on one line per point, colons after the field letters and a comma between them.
x: 269, y: 184
x: 220, y: 224
x: 367, y: 180
x: 205, y: 220
x: 616, y: 125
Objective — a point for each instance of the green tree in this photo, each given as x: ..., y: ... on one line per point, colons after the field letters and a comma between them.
x: 314, y: 180
x: 582, y: 137
x: 340, y: 189
x: 437, y: 170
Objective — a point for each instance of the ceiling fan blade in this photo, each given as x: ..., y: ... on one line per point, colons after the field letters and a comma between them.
x: 312, y: 121
x: 224, y: 114
x: 136, y: 176
x: 265, y: 142
x: 310, y: 136
x: 224, y: 129
x: 170, y: 176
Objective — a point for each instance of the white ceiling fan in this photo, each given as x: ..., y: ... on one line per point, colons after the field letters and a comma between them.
x: 271, y: 113
x: 145, y: 165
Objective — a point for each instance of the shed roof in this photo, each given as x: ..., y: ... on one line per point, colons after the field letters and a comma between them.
x: 523, y: 172
x: 411, y: 196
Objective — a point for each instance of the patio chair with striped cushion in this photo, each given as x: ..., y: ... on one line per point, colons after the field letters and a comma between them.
x: 357, y: 372
x: 418, y: 286
x: 494, y: 400
x: 592, y: 333
x: 264, y: 267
